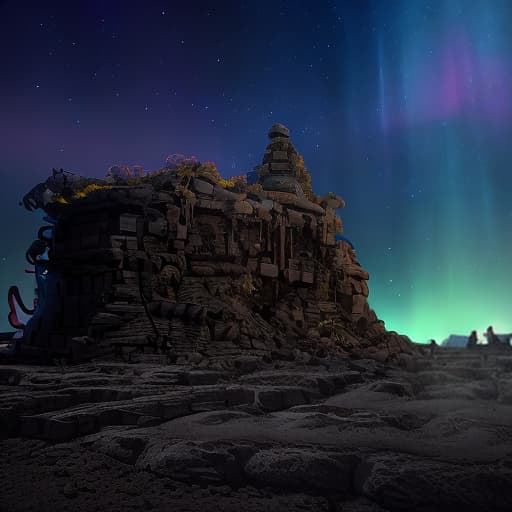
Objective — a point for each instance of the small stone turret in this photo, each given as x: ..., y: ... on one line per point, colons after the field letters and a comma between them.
x: 278, y: 171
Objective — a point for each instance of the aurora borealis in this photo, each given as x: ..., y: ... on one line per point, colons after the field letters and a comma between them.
x: 403, y: 107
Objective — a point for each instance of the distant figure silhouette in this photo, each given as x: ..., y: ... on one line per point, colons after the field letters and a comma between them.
x: 433, y: 347
x: 492, y: 339
x: 472, y: 340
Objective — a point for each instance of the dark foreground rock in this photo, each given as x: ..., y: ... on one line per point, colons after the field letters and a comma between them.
x: 345, y: 435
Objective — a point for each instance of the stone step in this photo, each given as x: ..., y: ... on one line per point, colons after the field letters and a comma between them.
x: 72, y: 422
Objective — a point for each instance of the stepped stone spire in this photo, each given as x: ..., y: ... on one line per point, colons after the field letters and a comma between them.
x: 278, y: 171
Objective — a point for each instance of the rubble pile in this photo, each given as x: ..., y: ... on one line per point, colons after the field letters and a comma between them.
x: 186, y: 263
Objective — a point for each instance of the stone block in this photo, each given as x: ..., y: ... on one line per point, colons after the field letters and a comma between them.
x: 295, y: 219
x: 131, y: 243
x: 128, y: 222
x: 308, y: 277
x: 268, y: 204
x: 293, y: 264
x: 269, y: 270
x: 181, y: 231
x: 173, y: 215
x: 279, y: 155
x: 276, y: 166
x: 202, y: 186
x: 358, y: 303
x: 292, y: 275
x: 158, y: 227
x: 211, y: 204
x: 280, y: 140
x: 243, y: 207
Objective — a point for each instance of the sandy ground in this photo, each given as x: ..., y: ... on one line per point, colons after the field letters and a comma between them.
x: 433, y: 433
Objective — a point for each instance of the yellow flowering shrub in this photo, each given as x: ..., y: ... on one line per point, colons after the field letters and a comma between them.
x: 93, y: 187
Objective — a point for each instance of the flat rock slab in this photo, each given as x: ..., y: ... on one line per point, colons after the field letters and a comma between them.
x: 408, y: 483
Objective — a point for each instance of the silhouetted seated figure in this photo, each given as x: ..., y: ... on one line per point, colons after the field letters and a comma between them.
x: 492, y: 339
x: 472, y: 340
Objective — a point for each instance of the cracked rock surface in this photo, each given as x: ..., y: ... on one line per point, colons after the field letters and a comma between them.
x: 345, y: 435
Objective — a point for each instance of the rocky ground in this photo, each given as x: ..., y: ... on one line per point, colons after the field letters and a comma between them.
x: 430, y: 433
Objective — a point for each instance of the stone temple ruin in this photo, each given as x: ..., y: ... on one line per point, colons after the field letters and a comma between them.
x: 183, y: 262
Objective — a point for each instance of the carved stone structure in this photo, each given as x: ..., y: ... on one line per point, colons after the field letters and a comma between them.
x: 182, y: 261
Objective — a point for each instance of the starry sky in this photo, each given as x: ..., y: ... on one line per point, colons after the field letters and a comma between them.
x: 403, y: 107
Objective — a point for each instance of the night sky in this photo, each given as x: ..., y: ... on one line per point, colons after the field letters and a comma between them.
x: 403, y: 107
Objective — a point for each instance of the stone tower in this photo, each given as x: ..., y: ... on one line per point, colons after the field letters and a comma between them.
x: 278, y: 171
